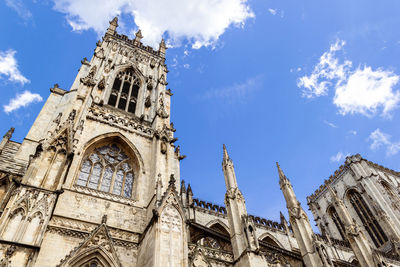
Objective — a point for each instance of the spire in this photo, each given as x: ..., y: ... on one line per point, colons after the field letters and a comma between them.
x: 228, y: 169
x: 139, y: 36
x: 162, y: 48
x: 282, y: 176
x: 9, y: 133
x: 225, y: 158
x: 113, y: 26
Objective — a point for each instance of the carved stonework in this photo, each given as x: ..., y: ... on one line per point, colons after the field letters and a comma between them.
x: 89, y: 79
x: 98, y: 242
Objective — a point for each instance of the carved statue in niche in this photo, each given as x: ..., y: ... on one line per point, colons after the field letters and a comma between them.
x: 163, y: 147
x: 99, y: 53
x: 161, y: 110
x: 102, y: 83
x: 152, y: 63
x: 108, y: 66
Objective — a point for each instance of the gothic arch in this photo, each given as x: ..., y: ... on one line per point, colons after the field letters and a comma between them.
x: 267, y: 237
x: 218, y: 222
x: 12, y: 225
x: 367, y: 217
x: 113, y: 76
x: 334, y: 217
x: 97, y: 254
x: 120, y: 138
x: 130, y: 165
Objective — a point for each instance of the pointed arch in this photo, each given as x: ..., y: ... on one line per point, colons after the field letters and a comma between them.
x: 96, y: 255
x: 124, y: 90
x: 117, y: 137
x: 98, y: 248
x: 331, y: 211
x: 112, y: 164
x: 219, y: 226
x: 268, y: 238
x: 369, y: 221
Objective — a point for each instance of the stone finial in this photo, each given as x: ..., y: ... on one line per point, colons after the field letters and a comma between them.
x: 104, y: 219
x: 138, y: 35
x: 114, y: 22
x: 183, y: 187
x: 282, y: 176
x: 162, y: 48
x: 225, y: 158
x: 283, y: 219
x: 113, y: 26
x: 189, y: 190
x: 9, y: 133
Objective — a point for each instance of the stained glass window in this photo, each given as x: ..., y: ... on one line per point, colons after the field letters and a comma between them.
x: 107, y: 169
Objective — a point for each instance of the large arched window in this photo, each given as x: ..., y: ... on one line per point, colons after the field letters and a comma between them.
x: 369, y: 221
x: 339, y: 225
x: 125, y: 91
x: 107, y: 168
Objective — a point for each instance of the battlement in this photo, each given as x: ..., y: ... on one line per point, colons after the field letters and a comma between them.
x: 137, y: 44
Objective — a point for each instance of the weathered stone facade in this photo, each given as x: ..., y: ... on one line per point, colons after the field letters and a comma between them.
x: 96, y: 182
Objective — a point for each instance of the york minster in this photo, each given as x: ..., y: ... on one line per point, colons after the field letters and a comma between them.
x: 96, y: 183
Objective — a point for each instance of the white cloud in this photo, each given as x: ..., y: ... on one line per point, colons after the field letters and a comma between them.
x: 22, y: 100
x: 9, y: 67
x: 20, y: 8
x: 186, y: 66
x: 366, y: 90
x: 327, y: 69
x: 272, y: 11
x: 340, y: 156
x: 201, y: 22
x: 235, y: 93
x: 330, y: 124
x: 361, y: 91
x: 380, y: 139
x: 353, y: 132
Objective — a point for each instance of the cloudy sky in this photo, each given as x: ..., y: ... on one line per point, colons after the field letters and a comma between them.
x: 305, y: 83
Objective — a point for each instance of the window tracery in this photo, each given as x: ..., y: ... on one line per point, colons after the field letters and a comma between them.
x: 339, y: 225
x: 107, y: 169
x: 369, y: 221
x: 125, y: 91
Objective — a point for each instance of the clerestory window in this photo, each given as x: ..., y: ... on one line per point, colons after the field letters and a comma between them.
x: 125, y: 91
x: 107, y: 169
x: 369, y: 221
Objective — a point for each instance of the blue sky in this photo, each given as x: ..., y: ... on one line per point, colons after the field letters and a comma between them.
x: 304, y: 83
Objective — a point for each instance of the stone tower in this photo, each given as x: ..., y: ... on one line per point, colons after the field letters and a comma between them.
x: 96, y: 183
x: 94, y: 159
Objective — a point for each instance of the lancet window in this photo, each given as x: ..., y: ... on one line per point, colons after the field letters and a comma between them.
x: 107, y: 169
x: 125, y: 91
x: 339, y: 225
x: 369, y: 221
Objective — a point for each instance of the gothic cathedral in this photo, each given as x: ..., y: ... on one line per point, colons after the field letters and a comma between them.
x: 96, y: 183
